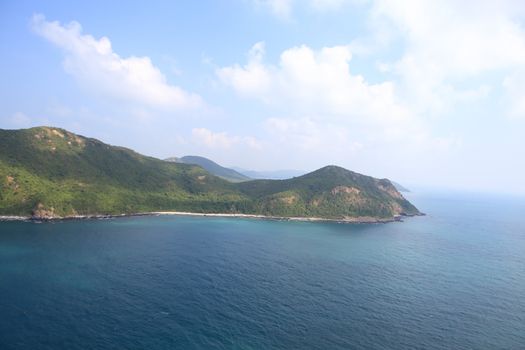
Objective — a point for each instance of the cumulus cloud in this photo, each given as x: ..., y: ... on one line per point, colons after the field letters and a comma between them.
x: 221, y: 140
x: 96, y: 66
x: 447, y: 47
x: 315, y: 82
x: 454, y: 42
x: 328, y: 112
x: 252, y: 79
x: 309, y: 135
x: 448, y: 44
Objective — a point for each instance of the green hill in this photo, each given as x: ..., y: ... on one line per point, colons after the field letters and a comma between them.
x: 65, y: 174
x: 330, y: 192
x: 50, y: 172
x: 212, y: 167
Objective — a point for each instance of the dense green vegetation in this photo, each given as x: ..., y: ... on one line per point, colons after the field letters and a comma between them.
x: 212, y: 167
x: 52, y: 172
x: 330, y: 192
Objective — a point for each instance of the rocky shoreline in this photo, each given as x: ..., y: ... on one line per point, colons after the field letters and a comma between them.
x: 356, y: 220
x: 46, y: 218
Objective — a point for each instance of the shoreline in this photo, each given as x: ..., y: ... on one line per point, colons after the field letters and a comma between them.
x: 356, y: 220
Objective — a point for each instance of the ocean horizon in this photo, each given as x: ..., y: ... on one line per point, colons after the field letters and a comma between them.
x: 453, y: 279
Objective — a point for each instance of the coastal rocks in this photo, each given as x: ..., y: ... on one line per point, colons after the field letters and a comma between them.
x: 13, y: 218
x: 43, y: 213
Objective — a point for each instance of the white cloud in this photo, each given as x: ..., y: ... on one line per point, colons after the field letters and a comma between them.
x: 253, y: 79
x: 328, y: 113
x: 309, y: 135
x: 96, y: 66
x: 449, y: 44
x: 454, y: 42
x: 514, y: 86
x: 221, y: 140
x: 315, y: 82
x: 446, y: 47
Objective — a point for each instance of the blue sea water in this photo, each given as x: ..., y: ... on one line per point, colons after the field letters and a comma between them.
x: 454, y: 279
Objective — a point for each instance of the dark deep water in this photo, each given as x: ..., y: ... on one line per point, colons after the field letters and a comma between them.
x: 454, y: 279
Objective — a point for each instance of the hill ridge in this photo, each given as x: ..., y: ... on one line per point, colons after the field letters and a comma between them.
x: 212, y: 167
x: 50, y: 172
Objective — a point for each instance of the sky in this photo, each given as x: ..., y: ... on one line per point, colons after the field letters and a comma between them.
x: 427, y: 93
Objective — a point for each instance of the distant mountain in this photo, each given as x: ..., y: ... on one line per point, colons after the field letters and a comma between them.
x: 212, y: 167
x: 270, y: 174
x: 399, y: 187
x: 49, y: 172
x: 235, y: 174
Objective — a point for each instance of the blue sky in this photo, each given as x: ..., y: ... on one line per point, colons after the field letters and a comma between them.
x: 428, y: 93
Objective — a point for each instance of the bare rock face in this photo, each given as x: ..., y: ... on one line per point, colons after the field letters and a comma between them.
x: 345, y: 189
x: 11, y: 183
x: 288, y: 199
x: 53, y: 139
x: 387, y: 187
x: 41, y: 212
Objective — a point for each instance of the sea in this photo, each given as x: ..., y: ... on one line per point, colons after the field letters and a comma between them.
x: 453, y: 279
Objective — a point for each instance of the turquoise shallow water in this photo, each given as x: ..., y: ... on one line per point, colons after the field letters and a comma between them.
x: 454, y: 279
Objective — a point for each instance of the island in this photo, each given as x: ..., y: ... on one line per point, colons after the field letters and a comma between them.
x: 51, y: 173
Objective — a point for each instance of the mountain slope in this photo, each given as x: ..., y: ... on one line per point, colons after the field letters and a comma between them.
x: 50, y: 172
x: 330, y: 192
x: 212, y: 167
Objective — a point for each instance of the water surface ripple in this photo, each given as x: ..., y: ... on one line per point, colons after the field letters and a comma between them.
x: 454, y: 279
